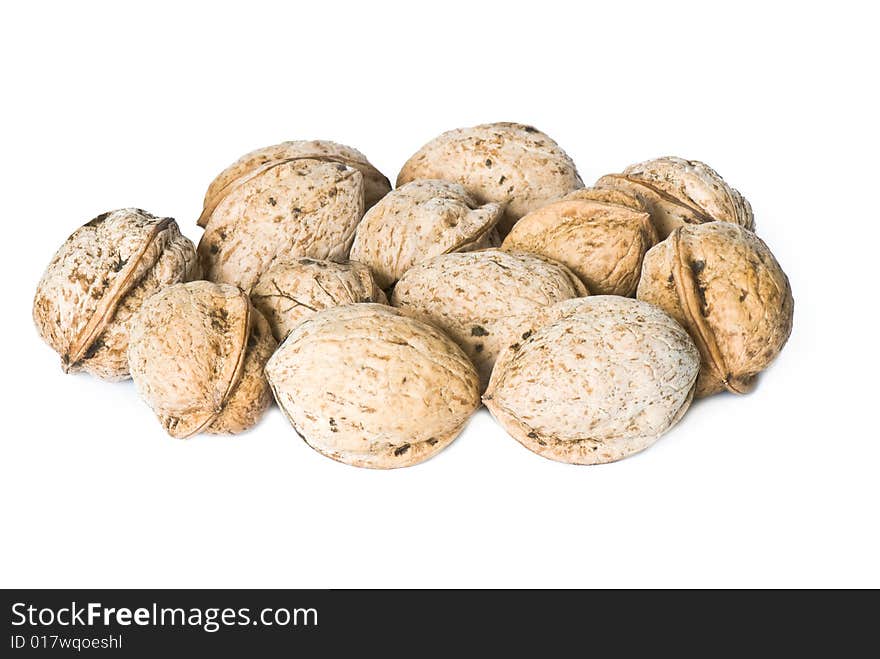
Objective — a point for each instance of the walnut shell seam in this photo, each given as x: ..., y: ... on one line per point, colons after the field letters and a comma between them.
x: 686, y: 287
x: 107, y: 306
x: 223, y: 192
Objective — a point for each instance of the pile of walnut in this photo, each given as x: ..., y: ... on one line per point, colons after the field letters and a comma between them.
x: 587, y: 317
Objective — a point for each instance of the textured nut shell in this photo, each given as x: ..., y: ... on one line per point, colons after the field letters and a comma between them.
x: 197, y: 353
x: 99, y: 278
x: 484, y: 300
x: 722, y: 283
x: 420, y: 220
x: 251, y: 396
x: 679, y: 192
x: 365, y: 385
x: 376, y: 185
x: 507, y: 163
x: 608, y: 196
x: 291, y: 291
x: 295, y: 208
x: 603, y: 243
x: 596, y: 380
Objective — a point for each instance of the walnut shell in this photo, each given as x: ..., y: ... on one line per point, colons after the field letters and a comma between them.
x: 679, y: 192
x: 376, y: 185
x: 99, y: 278
x: 595, y: 380
x: 197, y: 353
x: 504, y: 162
x: 299, y: 207
x: 291, y: 291
x: 484, y: 300
x: 365, y: 385
x: 722, y: 283
x: 420, y: 220
x: 602, y: 235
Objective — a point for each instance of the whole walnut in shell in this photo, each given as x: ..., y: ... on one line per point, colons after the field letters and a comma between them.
x: 99, y: 278
x: 304, y: 202
x: 508, y: 163
x: 678, y: 192
x: 197, y: 354
x: 419, y: 220
x: 365, y: 385
x: 291, y: 291
x: 484, y: 300
x: 722, y: 283
x: 594, y: 380
x: 601, y: 234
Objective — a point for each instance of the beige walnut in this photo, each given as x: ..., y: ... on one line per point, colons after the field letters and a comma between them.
x: 420, y: 220
x: 508, y: 163
x: 365, y: 385
x: 97, y: 281
x: 299, y: 207
x: 253, y: 164
x: 601, y: 234
x: 722, y: 283
x: 197, y: 353
x: 484, y: 300
x: 679, y: 192
x: 291, y: 291
x: 595, y: 380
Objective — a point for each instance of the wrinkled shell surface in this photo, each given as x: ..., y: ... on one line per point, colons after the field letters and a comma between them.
x: 197, y: 354
x: 291, y: 291
x: 376, y: 185
x: 98, y: 280
x: 484, y: 300
x: 608, y: 196
x: 508, y: 163
x: 300, y: 207
x: 420, y: 220
x: 722, y: 283
x: 679, y: 192
x: 596, y: 380
x: 602, y: 241
x: 367, y: 386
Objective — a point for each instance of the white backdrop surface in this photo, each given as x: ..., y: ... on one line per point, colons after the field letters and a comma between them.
x: 109, y: 105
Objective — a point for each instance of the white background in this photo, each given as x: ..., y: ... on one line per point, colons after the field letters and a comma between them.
x: 124, y: 104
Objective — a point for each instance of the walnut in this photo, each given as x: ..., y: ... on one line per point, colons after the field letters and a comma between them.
x: 601, y: 234
x: 197, y: 353
x: 594, y: 380
x: 295, y: 199
x: 419, y: 220
x: 99, y: 278
x: 679, y: 192
x: 398, y: 392
x: 508, y: 163
x: 252, y: 164
x: 290, y: 291
x: 484, y: 300
x: 721, y: 282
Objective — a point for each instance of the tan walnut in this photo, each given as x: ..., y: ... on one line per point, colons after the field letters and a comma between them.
x: 420, y: 220
x: 97, y: 281
x: 197, y: 354
x: 484, y: 300
x: 365, y: 385
x: 722, y: 283
x: 595, y: 380
x: 678, y: 192
x: 253, y: 164
x: 297, y: 199
x: 291, y: 291
x: 601, y: 234
x: 508, y: 163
